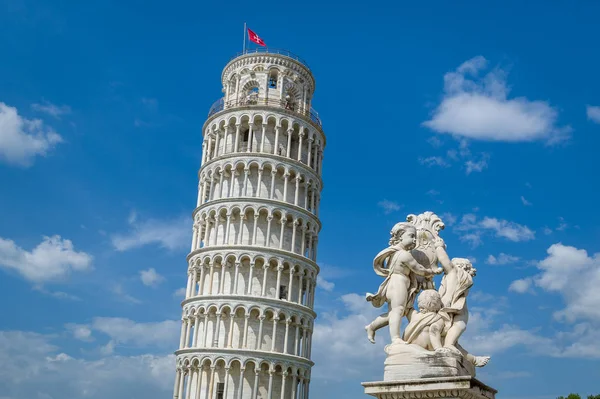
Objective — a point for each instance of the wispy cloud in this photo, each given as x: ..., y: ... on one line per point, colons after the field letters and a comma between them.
x: 324, y: 284
x: 121, y: 294
x: 562, y: 224
x: 478, y: 107
x: 521, y: 286
x: 137, y: 122
x: 149, y: 102
x: 81, y: 332
x: 434, y: 161
x: 525, y: 202
x: 501, y: 259
x: 476, y: 166
x: 53, y: 110
x: 51, y: 260
x: 151, y: 278
x: 389, y: 206
x: 171, y: 234
x: 21, y: 140
x: 471, y: 162
x: 448, y: 218
x: 473, y: 229
x: 126, y: 331
x: 34, y: 367
x: 435, y: 141
x: 593, y: 113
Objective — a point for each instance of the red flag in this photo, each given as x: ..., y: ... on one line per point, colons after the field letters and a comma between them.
x: 254, y: 38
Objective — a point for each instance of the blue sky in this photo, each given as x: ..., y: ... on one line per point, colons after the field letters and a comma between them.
x: 485, y: 114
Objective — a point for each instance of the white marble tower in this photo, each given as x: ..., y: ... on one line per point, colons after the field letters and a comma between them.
x: 248, y: 312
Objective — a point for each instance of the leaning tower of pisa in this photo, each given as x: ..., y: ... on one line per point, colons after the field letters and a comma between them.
x: 248, y: 314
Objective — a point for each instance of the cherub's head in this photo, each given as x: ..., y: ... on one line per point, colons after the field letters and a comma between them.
x: 466, y: 265
x: 429, y: 301
x: 404, y: 234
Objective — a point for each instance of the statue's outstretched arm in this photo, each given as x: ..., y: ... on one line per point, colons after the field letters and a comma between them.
x: 444, y: 259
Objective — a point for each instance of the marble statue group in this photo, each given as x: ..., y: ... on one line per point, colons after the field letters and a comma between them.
x: 429, y: 345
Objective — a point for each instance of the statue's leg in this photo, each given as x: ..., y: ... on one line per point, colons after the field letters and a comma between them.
x: 459, y: 325
x: 381, y: 321
x: 395, y: 321
x: 397, y: 294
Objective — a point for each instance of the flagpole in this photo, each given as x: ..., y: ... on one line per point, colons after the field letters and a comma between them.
x: 244, y: 50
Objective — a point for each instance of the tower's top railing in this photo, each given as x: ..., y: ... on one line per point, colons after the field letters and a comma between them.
x: 268, y: 50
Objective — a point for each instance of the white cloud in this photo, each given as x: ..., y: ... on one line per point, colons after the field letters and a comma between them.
x: 389, y: 206
x: 324, y: 284
x: 479, y: 108
x: 502, y: 259
x: 171, y: 234
x: 525, y: 202
x: 21, y: 140
x: 521, y: 286
x: 150, y: 277
x: 593, y: 113
x: 30, y: 365
x: 474, y: 229
x: 51, y: 109
x: 575, y: 275
x: 180, y: 292
x: 53, y: 259
x: 547, y: 230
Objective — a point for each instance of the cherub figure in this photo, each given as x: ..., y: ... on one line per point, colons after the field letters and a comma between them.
x: 457, y: 280
x: 426, y: 327
x: 400, y: 268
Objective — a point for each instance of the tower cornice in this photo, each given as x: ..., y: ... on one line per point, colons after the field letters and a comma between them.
x: 244, y: 202
x: 275, y: 58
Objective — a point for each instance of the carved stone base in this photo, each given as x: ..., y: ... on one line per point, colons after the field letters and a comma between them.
x: 407, y: 362
x: 442, y: 388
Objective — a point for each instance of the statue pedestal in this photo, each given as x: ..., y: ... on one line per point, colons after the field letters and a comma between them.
x: 410, y: 362
x: 440, y: 387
